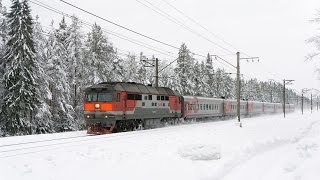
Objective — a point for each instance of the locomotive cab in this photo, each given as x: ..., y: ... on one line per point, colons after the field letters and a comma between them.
x: 99, y: 109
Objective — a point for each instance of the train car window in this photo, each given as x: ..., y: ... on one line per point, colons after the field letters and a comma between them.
x: 91, y: 97
x: 152, y: 104
x: 167, y: 98
x: 200, y: 106
x: 162, y: 98
x: 106, y: 97
x: 158, y: 97
x: 130, y: 97
x: 118, y: 97
x: 145, y: 97
x: 143, y: 103
x: 150, y: 97
x: 138, y: 97
x: 155, y: 104
x: 207, y: 106
x: 197, y: 106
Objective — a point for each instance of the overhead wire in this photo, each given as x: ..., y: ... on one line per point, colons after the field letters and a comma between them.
x: 134, y: 41
x: 123, y: 27
x: 182, y: 24
x: 206, y: 29
x: 118, y: 25
x: 176, y: 21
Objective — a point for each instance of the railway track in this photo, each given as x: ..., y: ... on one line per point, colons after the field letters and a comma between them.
x: 31, y: 147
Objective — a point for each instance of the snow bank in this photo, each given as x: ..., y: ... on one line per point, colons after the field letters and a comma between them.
x: 200, y: 152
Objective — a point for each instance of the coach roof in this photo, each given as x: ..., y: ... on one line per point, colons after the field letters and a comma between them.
x: 132, y: 87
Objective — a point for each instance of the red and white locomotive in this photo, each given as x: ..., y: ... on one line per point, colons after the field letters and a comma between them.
x: 119, y: 106
x: 124, y: 106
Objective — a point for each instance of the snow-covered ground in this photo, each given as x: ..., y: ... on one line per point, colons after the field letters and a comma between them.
x: 267, y: 147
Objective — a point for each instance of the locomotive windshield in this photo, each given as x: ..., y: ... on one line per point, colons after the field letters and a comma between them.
x: 101, y: 96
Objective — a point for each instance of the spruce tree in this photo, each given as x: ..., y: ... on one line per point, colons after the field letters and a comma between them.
x: 209, y: 77
x: 100, y: 54
x: 3, y: 41
x: 22, y: 92
x: 198, y: 80
x: 184, y: 70
x: 60, y: 102
x: 43, y: 119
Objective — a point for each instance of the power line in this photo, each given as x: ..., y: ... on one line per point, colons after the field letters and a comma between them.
x: 134, y: 41
x: 168, y: 16
x: 176, y: 21
x: 194, y: 21
x: 123, y: 27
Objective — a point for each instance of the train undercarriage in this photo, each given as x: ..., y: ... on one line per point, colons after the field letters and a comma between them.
x: 130, y: 125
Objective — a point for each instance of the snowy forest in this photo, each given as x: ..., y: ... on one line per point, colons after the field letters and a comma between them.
x: 43, y: 74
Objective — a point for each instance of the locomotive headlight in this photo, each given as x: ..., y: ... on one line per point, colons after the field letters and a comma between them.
x: 97, y: 106
x: 88, y: 116
x: 105, y: 116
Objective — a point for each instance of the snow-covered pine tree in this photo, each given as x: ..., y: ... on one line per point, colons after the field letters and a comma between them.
x: 210, y: 84
x: 229, y: 85
x: 75, y: 68
x: 3, y: 41
x: 184, y: 70
x: 62, y: 112
x: 22, y: 92
x: 198, y: 80
x: 142, y: 70
x: 204, y: 89
x: 130, y: 68
x: 99, y: 54
x: 3, y: 32
x: 75, y: 59
x: 219, y: 83
x: 167, y: 76
x: 43, y: 121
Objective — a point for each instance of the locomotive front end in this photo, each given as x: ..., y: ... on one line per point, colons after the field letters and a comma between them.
x: 99, y: 110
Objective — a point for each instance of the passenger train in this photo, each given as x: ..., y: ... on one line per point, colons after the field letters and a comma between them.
x: 124, y: 106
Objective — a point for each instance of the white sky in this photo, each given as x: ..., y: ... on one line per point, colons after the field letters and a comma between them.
x: 274, y: 30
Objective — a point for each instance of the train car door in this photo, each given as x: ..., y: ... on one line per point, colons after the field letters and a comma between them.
x: 181, y: 101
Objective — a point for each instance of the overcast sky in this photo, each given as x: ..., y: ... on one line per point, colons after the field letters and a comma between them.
x: 274, y: 30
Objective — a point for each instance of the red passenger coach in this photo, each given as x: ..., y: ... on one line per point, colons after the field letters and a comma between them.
x: 122, y: 106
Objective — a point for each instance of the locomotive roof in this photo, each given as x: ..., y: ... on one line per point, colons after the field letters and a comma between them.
x: 132, y: 87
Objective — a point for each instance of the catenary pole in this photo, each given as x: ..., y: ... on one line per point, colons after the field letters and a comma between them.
x: 238, y: 88
x: 157, y: 72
